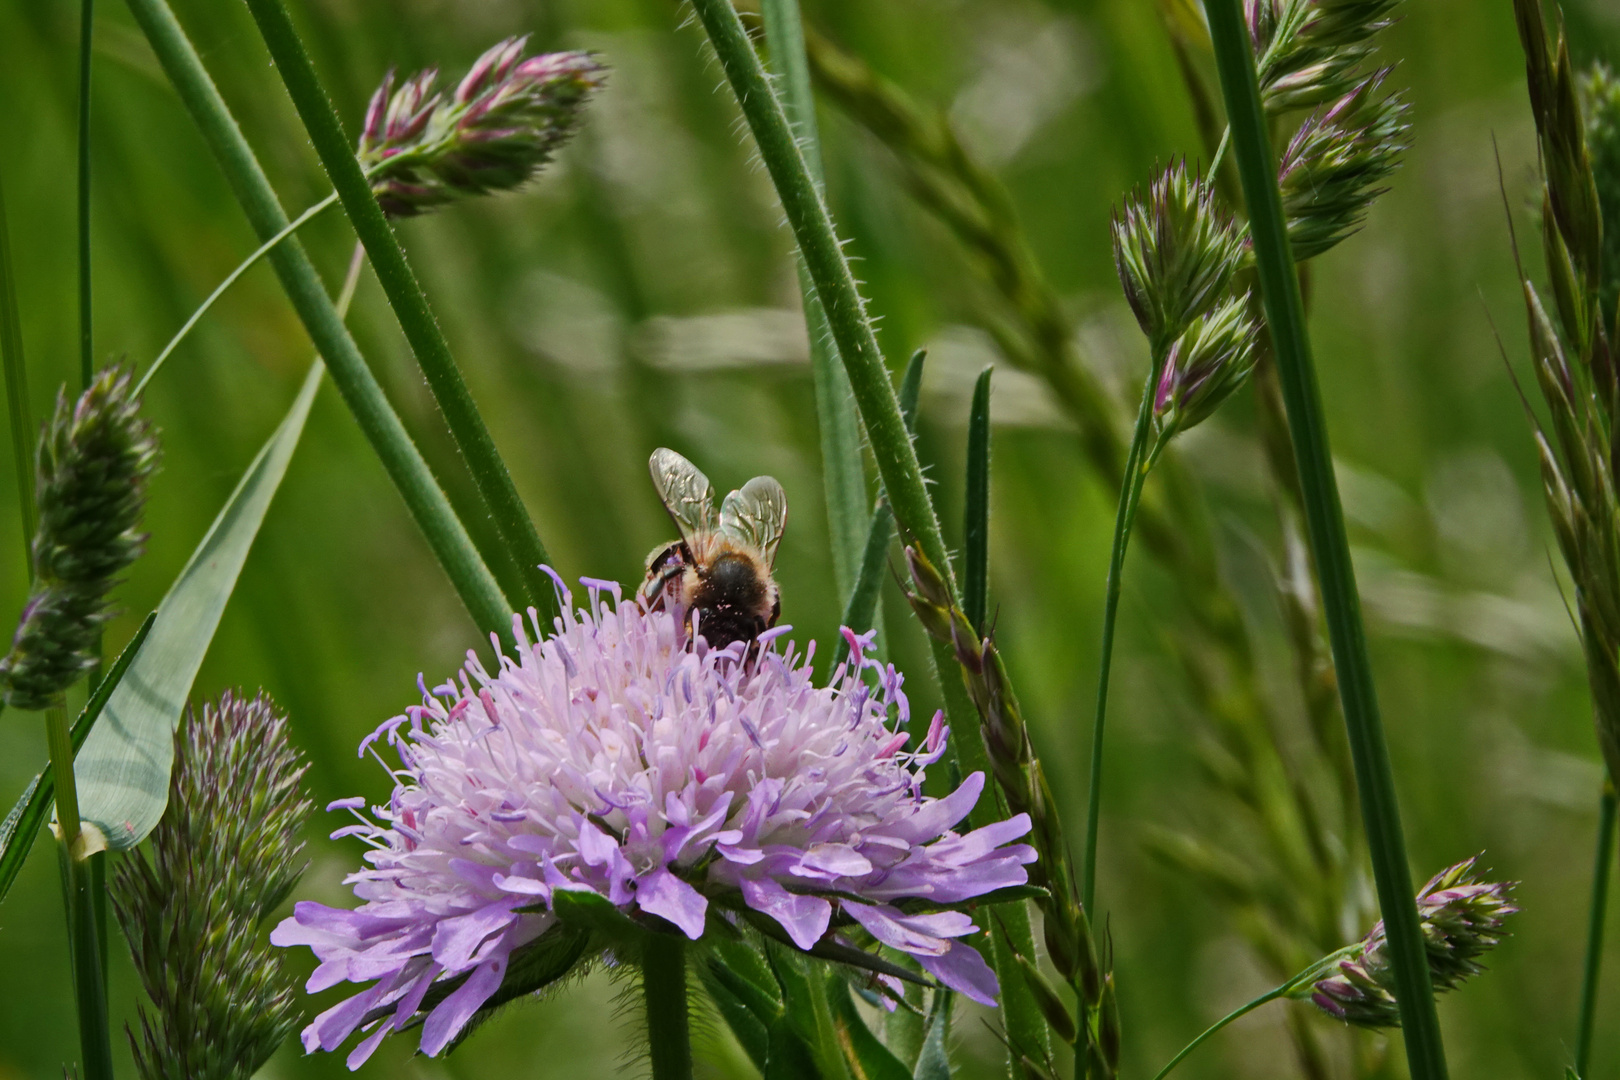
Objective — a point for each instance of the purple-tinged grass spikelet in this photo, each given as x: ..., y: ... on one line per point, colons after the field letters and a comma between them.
x: 1462, y: 918
x: 494, y: 132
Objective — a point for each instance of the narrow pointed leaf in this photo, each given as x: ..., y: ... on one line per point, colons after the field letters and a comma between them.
x: 21, y: 827
x: 976, y: 526
x: 123, y: 770
x: 871, y: 1058
x: 934, y: 1063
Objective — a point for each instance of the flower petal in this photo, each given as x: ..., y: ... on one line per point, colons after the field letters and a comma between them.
x: 663, y: 894
x: 805, y: 918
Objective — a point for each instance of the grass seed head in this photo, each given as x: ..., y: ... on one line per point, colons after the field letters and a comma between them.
x: 95, y: 458
x: 226, y: 853
x: 500, y: 126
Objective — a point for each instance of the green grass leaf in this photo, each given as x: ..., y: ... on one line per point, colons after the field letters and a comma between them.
x: 21, y: 826
x: 123, y: 770
x: 976, y: 526
x: 874, y: 1060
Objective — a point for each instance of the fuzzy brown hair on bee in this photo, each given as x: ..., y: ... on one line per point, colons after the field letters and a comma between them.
x: 719, y: 571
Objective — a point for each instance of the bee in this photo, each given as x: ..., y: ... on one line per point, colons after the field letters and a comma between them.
x: 719, y: 569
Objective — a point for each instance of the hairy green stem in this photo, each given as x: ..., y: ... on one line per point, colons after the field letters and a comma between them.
x: 230, y: 279
x: 87, y: 355
x: 1130, y: 494
x: 404, y: 292
x: 1375, y: 780
x: 663, y: 984
x: 1602, y: 866
x: 842, y: 471
x: 410, y: 473
x: 879, y: 406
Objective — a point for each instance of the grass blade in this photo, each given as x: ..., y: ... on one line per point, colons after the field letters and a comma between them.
x: 11, y: 355
x: 123, y: 770
x: 1602, y: 867
x: 842, y: 470
x: 1375, y: 780
x: 443, y: 530
x: 404, y: 292
x: 21, y: 826
x: 976, y: 520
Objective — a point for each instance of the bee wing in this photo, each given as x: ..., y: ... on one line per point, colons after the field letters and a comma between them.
x: 685, y: 492
x: 757, y: 515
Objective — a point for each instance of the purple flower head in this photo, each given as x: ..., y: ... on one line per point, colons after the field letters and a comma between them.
x: 678, y: 782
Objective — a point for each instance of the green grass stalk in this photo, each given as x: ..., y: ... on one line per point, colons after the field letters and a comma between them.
x: 17, y: 404
x: 663, y: 984
x: 1602, y: 867
x: 1130, y: 495
x: 1324, y: 516
x: 842, y: 470
x: 230, y: 279
x: 1309, y: 975
x: 404, y: 292
x: 885, y: 428
x: 87, y: 352
x: 84, y: 947
x: 444, y: 531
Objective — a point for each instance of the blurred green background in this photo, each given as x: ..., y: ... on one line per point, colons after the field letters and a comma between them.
x: 643, y: 294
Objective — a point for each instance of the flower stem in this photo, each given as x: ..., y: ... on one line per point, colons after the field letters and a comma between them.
x: 404, y: 292
x: 230, y: 279
x: 87, y: 357
x: 879, y: 406
x: 1375, y: 781
x: 410, y: 473
x: 1130, y: 494
x: 1602, y: 864
x: 842, y: 470
x: 663, y: 982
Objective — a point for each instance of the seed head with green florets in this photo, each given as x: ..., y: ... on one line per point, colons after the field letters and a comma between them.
x: 94, y: 461
x: 226, y: 853
x: 1175, y: 253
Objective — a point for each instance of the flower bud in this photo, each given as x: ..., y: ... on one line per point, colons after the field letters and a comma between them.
x: 503, y: 123
x: 1049, y: 1000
